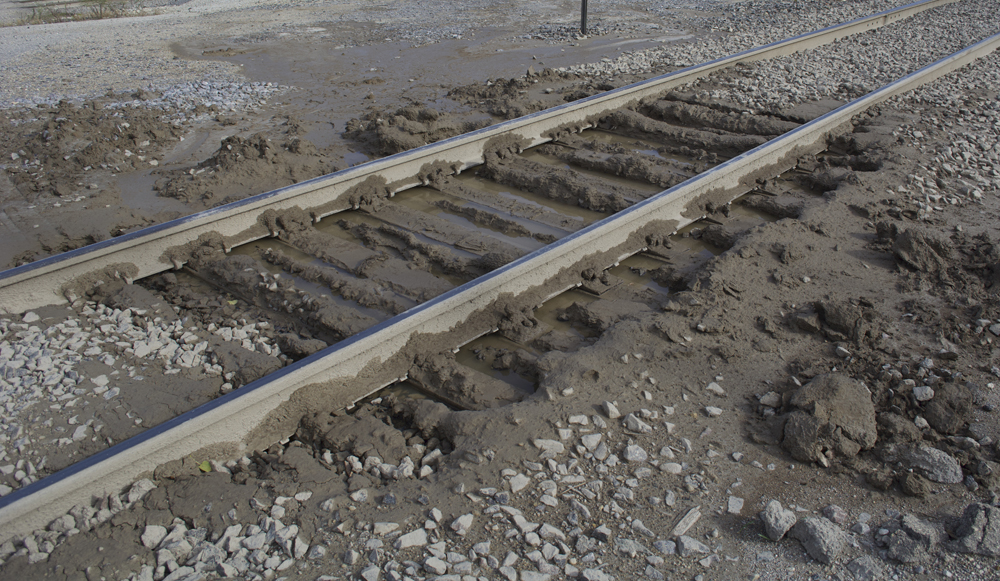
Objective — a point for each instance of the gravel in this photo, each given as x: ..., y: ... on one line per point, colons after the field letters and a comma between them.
x: 966, y: 156
x: 748, y: 24
x: 43, y: 382
x: 859, y: 64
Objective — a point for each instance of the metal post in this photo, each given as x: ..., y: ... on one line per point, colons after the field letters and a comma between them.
x: 583, y: 17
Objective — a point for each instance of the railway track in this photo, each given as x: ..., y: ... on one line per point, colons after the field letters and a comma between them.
x: 405, y: 258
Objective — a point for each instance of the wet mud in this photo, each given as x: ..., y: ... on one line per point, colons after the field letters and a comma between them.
x: 296, y: 229
x: 245, y: 166
x: 707, y: 118
x: 467, y: 388
x: 364, y: 291
x: 684, y: 140
x: 518, y: 208
x: 771, y: 306
x: 642, y: 168
x: 389, y: 132
x: 557, y: 184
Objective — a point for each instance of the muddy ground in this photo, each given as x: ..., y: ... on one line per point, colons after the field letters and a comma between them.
x: 855, y: 294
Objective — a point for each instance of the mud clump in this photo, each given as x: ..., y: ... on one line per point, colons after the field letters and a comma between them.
x: 895, y: 428
x: 245, y: 166
x: 298, y: 347
x: 638, y: 167
x: 362, y: 435
x: 829, y: 179
x: 680, y: 113
x: 833, y: 416
x: 407, y: 128
x: 923, y: 253
x: 504, y: 98
x: 247, y: 366
x: 770, y: 206
x: 520, y: 325
x: 601, y: 315
x: 637, y: 125
x: 916, y: 251
x: 947, y: 412
x: 463, y: 386
x: 365, y: 292
x: 390, y: 430
x: 484, y: 218
x: 325, y: 317
x: 846, y: 321
x: 558, y: 184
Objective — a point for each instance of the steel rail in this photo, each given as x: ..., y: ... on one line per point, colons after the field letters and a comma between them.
x: 146, y: 252
x: 227, y: 422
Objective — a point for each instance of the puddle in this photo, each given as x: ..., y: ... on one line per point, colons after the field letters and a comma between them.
x: 137, y: 193
x: 738, y: 210
x: 353, y: 158
x: 481, y: 353
x: 637, y: 270
x: 583, y: 215
x: 535, y: 156
x: 318, y: 63
x: 253, y: 250
x: 403, y: 390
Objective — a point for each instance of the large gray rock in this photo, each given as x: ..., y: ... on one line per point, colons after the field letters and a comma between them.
x: 904, y: 548
x: 777, y: 520
x: 866, y: 569
x: 831, y: 412
x: 934, y: 464
x: 595, y: 575
x: 978, y: 531
x: 822, y: 539
x: 690, y: 546
x: 630, y: 547
x: 926, y: 533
